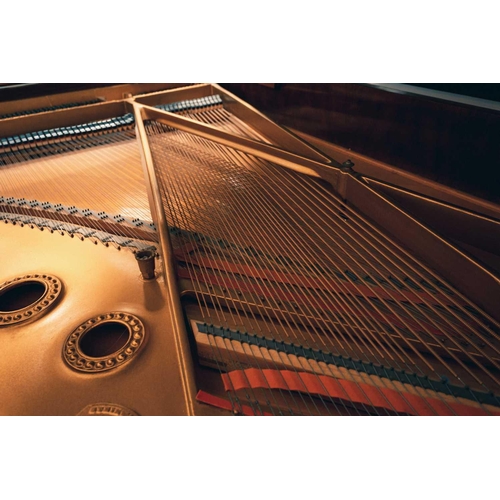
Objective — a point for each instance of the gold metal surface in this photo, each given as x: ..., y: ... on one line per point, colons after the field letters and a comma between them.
x: 107, y: 410
x: 111, y: 93
x: 177, y: 327
x: 96, y: 280
x: 249, y: 117
x: 61, y: 118
x: 265, y: 151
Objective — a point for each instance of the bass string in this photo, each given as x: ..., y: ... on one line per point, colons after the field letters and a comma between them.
x: 282, y: 252
x: 425, y: 328
x: 445, y: 319
x: 168, y: 190
x: 407, y: 259
x: 213, y: 214
x: 173, y: 195
x: 237, y: 308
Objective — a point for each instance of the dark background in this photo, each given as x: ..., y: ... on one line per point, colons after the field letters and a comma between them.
x: 449, y: 142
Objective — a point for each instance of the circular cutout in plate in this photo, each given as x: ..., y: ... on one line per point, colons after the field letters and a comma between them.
x: 27, y: 297
x: 104, y: 342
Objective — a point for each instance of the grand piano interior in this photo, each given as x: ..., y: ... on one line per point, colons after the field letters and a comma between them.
x: 249, y: 249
